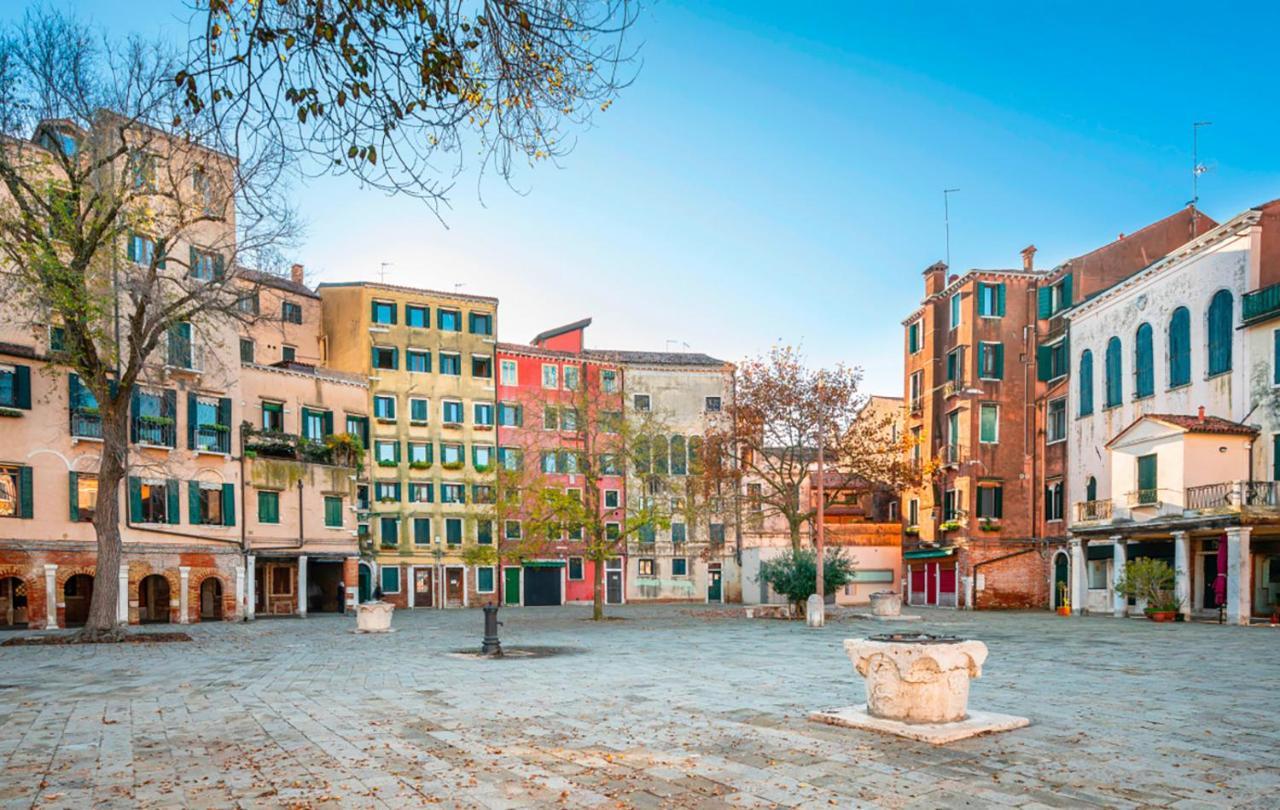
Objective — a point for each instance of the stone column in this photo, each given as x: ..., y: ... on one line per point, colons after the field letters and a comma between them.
x: 1078, y: 581
x: 351, y: 583
x: 51, y: 597
x: 1182, y: 573
x: 239, y: 592
x: 250, y: 590
x: 122, y: 598
x: 184, y: 599
x: 302, y: 585
x: 1239, y: 575
x: 1120, y: 554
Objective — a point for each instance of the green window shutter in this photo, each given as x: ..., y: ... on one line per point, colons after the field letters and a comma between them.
x: 73, y: 489
x: 1044, y: 361
x: 395, y: 355
x: 133, y: 415
x: 161, y: 251
x: 192, y: 405
x: 224, y: 417
x: 519, y: 416
x: 913, y: 337
x: 1066, y: 291
x: 135, y: 500
x: 25, y: 499
x: 174, y: 510
x: 328, y: 430
x: 219, y: 267
x: 1275, y: 457
x: 228, y: 504
x: 193, y: 259
x: 22, y: 387
x: 982, y: 359
x: 373, y: 311
x: 999, y: 502
x: 1044, y: 302
x: 171, y: 409
x: 1000, y: 299
x: 1147, y: 473
x: 999, y: 359
x: 395, y: 310
x: 193, y: 502
x: 129, y: 252
x: 395, y: 454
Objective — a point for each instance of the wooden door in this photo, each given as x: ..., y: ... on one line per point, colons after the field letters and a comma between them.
x: 613, y: 586
x: 931, y: 583
x: 511, y: 581
x: 454, y: 587
x: 423, y: 587
x: 713, y: 585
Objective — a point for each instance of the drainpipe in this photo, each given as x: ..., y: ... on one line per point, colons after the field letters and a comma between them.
x: 301, y: 535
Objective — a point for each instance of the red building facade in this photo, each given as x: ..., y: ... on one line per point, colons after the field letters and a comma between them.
x: 554, y: 403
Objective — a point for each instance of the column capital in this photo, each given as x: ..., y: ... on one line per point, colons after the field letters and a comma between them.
x: 1239, y: 532
x: 1179, y: 534
x: 50, y: 568
x: 1118, y: 539
x: 184, y: 569
x: 1075, y: 542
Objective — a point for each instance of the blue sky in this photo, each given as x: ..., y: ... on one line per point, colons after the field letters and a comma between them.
x: 775, y: 172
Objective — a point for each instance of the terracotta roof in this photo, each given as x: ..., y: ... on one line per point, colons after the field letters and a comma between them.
x: 378, y: 285
x: 538, y: 351
x: 1203, y: 424
x: 656, y: 358
x: 560, y: 330
x: 279, y: 282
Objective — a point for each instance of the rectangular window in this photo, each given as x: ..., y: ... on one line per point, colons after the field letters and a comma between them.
x: 955, y: 310
x: 612, y: 531
x: 1148, y: 487
x: 419, y: 455
x: 989, y: 423
x: 913, y: 512
x: 419, y: 410
x: 451, y: 364
x: 288, y: 354
x: 480, y: 323
x: 1052, y: 361
x: 417, y: 316
x: 715, y: 533
x: 641, y: 402
x: 316, y: 425
x: 679, y: 567
x: 916, y: 382
x: 248, y: 304
x: 421, y: 493
x: 246, y: 350
x: 333, y: 512
x: 990, y: 501
x: 575, y: 569
x: 386, y: 357
x: 913, y: 337
x: 386, y: 453
x: 141, y: 249
x: 389, y: 531
x: 482, y: 456
x: 290, y: 312
x: 421, y: 531
x: 358, y: 426
x: 991, y: 361
x: 608, y: 380
x: 154, y: 414
x: 210, y: 428
x: 482, y: 366
x: 679, y: 533
x: 511, y: 530
x: 452, y: 411
x: 451, y: 456
x: 268, y: 507
x: 550, y: 461
x: 646, y: 567
x: 510, y: 372
x: 509, y: 415
x: 448, y: 320
x: 484, y: 579
x: 273, y: 416
x: 384, y: 312
x: 453, y: 493
x: 387, y: 491
x: 711, y: 405
x: 391, y: 579
x: 1055, y: 429
x: 417, y: 361
x: 990, y: 300
x: 550, y: 376
x: 453, y: 531
x: 511, y: 458
x: 384, y: 407
x: 550, y: 417
x: 955, y: 365
x: 484, y: 532
x: 84, y: 497
x: 571, y: 378
x: 1053, y: 501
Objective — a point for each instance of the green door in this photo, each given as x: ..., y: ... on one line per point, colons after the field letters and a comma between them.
x: 511, y: 589
x: 364, y: 590
x: 1061, y: 580
x: 1147, y: 492
x: 713, y: 585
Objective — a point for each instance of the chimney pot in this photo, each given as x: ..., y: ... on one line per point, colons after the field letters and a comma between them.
x: 296, y: 273
x: 1029, y: 258
x: 1200, y: 414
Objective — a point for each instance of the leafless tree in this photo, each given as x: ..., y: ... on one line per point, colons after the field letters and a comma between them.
x: 122, y: 229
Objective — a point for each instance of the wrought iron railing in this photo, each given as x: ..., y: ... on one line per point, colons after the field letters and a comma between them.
x: 1093, y: 510
x: 1144, y: 497
x: 157, y: 431
x: 1261, y: 493
x: 213, y: 439
x: 86, y: 425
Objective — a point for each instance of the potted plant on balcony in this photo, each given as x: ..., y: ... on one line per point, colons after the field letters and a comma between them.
x: 419, y: 465
x: 989, y: 525
x: 1151, y: 581
x: 10, y: 412
x: 911, y: 530
x: 346, y: 450
x: 951, y: 525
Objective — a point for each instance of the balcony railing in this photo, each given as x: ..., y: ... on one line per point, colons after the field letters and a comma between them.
x: 1143, y: 497
x: 951, y: 453
x: 955, y: 387
x: 86, y: 425
x: 1261, y: 303
x: 155, y: 430
x: 1093, y: 510
x: 1210, y: 496
x: 277, y: 444
x: 213, y: 439
x: 185, y: 355
x: 1234, y: 495
x: 917, y: 405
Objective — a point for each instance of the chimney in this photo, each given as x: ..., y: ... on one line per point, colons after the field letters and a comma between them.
x: 935, y: 277
x: 295, y: 273
x: 1029, y: 258
x: 1200, y: 414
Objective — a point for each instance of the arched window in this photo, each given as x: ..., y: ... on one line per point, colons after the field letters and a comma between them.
x: 661, y: 455
x: 1179, y: 347
x: 1143, y: 364
x: 1114, y: 387
x: 679, y: 460
x: 1086, y: 382
x: 1091, y: 489
x: 1220, y: 332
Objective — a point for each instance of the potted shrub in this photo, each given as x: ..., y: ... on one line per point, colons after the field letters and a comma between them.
x: 1151, y: 582
x: 1064, y: 601
x: 911, y: 530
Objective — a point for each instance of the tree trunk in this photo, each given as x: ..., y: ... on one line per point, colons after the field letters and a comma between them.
x: 597, y: 591
x: 103, y: 621
x: 794, y: 526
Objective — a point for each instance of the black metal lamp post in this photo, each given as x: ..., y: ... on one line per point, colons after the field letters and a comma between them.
x: 490, y: 645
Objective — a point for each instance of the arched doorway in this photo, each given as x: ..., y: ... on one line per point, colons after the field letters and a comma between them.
x: 153, y: 599
x: 76, y: 594
x: 366, y: 579
x: 13, y: 602
x: 1061, y: 580
x: 211, y: 599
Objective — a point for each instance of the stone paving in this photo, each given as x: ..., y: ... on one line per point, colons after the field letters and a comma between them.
x: 668, y: 707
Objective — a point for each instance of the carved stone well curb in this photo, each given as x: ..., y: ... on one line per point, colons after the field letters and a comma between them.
x: 918, y: 687
x: 374, y: 617
x: 886, y: 603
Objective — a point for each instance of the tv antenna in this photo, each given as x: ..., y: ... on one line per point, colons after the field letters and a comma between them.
x: 946, y: 217
x: 1197, y: 169
x: 382, y: 272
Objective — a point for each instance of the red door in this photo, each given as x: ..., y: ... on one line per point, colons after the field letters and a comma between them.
x: 917, y: 585
x: 931, y: 577
x: 947, y: 586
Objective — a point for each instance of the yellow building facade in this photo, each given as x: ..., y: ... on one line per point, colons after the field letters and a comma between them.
x: 429, y: 359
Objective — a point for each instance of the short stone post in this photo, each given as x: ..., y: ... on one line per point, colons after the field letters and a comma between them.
x: 815, y: 611
x: 250, y: 590
x: 1079, y: 594
x: 184, y: 599
x: 51, y: 597
x: 122, y: 596
x: 1119, y: 600
x: 1182, y: 573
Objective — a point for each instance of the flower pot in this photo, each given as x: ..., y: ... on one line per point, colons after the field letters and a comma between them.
x: 1064, y: 610
x: 1162, y: 615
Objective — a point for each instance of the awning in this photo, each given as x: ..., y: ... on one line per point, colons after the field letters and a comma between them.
x: 927, y: 553
x: 543, y: 563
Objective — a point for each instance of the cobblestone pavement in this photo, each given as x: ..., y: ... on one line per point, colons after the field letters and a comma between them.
x: 678, y: 707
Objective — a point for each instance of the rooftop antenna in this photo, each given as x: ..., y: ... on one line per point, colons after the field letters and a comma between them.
x: 382, y: 272
x: 458, y: 285
x: 1197, y: 169
x: 946, y: 214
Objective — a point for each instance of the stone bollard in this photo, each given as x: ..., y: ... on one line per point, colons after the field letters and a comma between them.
x: 815, y: 611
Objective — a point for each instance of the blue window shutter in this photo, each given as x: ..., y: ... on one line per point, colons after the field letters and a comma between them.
x: 999, y: 360
x: 1066, y: 290
x: 73, y: 501
x: 1086, y: 382
x: 22, y: 387
x: 1044, y: 362
x: 1044, y: 302
x: 193, y: 502
x: 135, y: 500
x: 171, y: 490
x: 1144, y: 384
x: 192, y: 406
x: 1000, y: 299
x: 228, y: 504
x: 395, y: 358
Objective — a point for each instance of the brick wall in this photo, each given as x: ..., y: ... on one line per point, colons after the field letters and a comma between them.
x: 1016, y: 575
